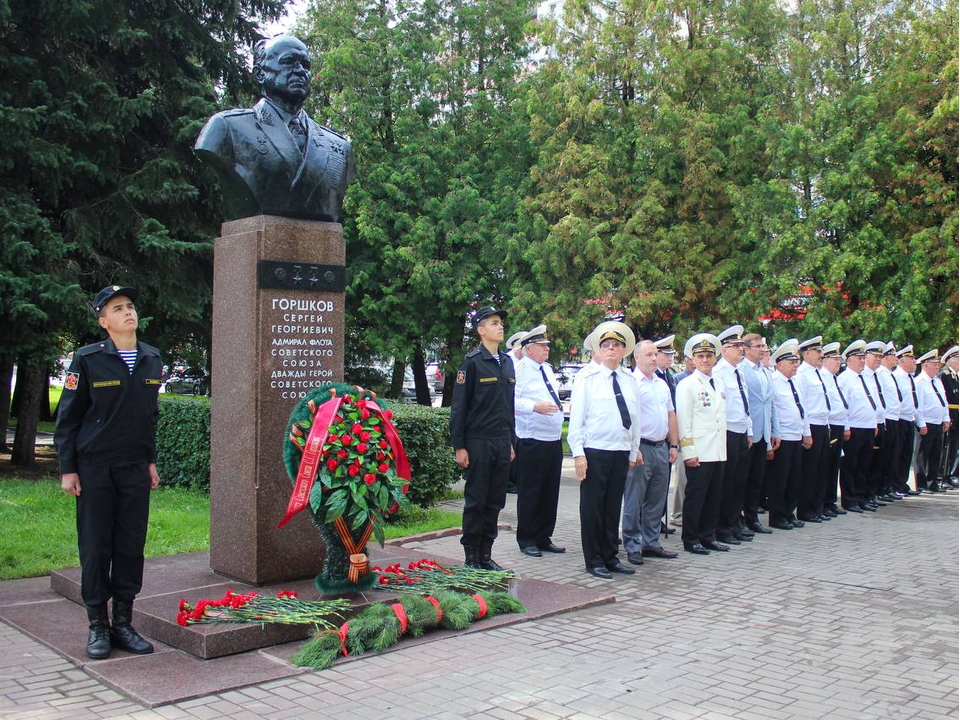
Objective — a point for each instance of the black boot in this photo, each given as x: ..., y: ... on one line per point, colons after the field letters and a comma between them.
x: 98, y: 641
x: 470, y: 554
x: 486, y: 562
x: 123, y: 634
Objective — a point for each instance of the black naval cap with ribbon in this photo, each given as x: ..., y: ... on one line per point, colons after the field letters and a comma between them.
x: 110, y: 292
x: 485, y: 312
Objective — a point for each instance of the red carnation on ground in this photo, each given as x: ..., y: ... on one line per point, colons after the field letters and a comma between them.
x: 362, y: 448
x: 357, y: 428
x: 346, y: 439
x: 343, y: 454
x: 369, y: 478
x: 184, y: 605
x: 331, y: 464
x: 353, y: 470
x: 365, y: 436
x: 383, y: 467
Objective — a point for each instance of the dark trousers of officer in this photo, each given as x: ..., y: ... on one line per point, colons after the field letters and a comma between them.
x: 783, y: 481
x: 877, y: 475
x: 112, y: 512
x: 893, y: 438
x: 485, y: 489
x: 812, y: 467
x: 949, y: 450
x: 734, y: 482
x: 540, y: 465
x: 854, y: 466
x: 928, y: 456
x: 601, y: 494
x: 513, y: 479
x: 831, y: 465
x: 701, y: 502
x: 904, y: 459
x: 756, y: 463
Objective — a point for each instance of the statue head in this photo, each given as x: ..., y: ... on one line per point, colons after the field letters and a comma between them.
x: 281, y: 66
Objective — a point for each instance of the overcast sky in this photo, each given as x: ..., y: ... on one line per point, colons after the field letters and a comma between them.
x: 284, y: 24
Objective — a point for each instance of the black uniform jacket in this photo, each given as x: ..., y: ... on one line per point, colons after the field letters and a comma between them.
x: 482, y: 398
x: 106, y: 414
x: 952, y: 388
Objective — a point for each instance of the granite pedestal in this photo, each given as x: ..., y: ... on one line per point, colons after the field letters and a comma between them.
x: 277, y: 332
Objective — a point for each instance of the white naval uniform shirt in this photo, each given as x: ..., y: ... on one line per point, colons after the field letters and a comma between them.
x: 738, y: 419
x: 811, y: 386
x: 594, y: 416
x: 932, y: 412
x: 870, y: 378
x: 792, y: 426
x: 861, y: 413
x: 838, y: 409
x: 530, y: 390
x: 654, y: 406
x: 889, y: 387
x: 910, y: 407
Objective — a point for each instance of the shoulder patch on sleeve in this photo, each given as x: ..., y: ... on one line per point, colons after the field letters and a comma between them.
x: 72, y: 381
x: 461, y: 377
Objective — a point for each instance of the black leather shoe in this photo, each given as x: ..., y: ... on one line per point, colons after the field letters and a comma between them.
x: 836, y: 509
x: 758, y: 528
x: 714, y: 545
x: 483, y: 557
x: 727, y: 538
x: 824, y: 517
x: 618, y: 567
x: 512, y: 490
x: 532, y: 551
x: 740, y: 537
x: 695, y: 548
x: 635, y: 558
x: 878, y: 502
x: 98, y: 639
x: 797, y: 523
x: 664, y: 530
x: 657, y: 552
x: 744, y: 530
x: 551, y: 548
x: 912, y: 493
x: 868, y: 507
x: 854, y: 509
x: 808, y: 519
x: 829, y: 514
x: 600, y: 572
x: 122, y: 634
x: 782, y: 525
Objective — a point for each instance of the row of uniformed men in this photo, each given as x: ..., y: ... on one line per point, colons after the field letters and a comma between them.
x: 751, y: 438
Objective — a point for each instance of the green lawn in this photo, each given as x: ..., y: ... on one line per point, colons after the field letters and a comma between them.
x: 40, y: 533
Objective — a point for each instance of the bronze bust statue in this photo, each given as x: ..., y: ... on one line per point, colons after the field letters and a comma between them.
x: 273, y: 159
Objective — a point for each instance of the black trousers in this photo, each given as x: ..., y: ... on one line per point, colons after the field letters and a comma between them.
x: 904, y: 459
x: 855, y: 464
x: 513, y: 479
x: 949, y: 449
x: 601, y: 495
x: 540, y: 464
x: 893, y: 439
x: 813, y: 464
x: 783, y: 480
x: 701, y: 502
x: 877, y: 475
x: 756, y: 463
x: 485, y: 489
x: 828, y: 490
x: 112, y: 512
x: 734, y: 482
x: 928, y: 456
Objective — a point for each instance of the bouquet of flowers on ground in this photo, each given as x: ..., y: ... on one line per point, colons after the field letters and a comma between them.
x: 286, y: 609
x: 349, y: 467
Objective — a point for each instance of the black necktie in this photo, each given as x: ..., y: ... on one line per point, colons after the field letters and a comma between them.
x: 621, y: 403
x: 913, y: 389
x: 933, y: 384
x: 897, y: 386
x: 796, y: 399
x: 824, y: 386
x: 299, y: 134
x: 879, y: 391
x: 842, y: 398
x: 712, y: 385
x: 869, y: 396
x: 543, y: 374
x: 743, y: 395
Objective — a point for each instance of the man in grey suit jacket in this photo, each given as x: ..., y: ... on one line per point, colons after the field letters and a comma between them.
x: 766, y: 429
x: 273, y: 159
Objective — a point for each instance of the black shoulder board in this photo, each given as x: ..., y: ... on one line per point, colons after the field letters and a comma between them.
x: 474, y: 353
x: 91, y: 348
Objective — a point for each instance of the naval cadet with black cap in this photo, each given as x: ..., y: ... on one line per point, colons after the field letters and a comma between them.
x: 482, y: 433
x: 106, y: 445
x: 951, y: 386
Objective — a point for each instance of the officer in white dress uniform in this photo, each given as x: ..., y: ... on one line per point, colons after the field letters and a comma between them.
x: 936, y: 415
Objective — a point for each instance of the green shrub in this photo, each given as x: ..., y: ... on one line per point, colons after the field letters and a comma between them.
x: 183, y: 446
x: 183, y: 442
x: 425, y: 432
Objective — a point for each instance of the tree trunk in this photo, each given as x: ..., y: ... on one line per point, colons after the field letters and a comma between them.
x: 6, y: 376
x: 420, y: 376
x: 396, y: 382
x: 31, y: 382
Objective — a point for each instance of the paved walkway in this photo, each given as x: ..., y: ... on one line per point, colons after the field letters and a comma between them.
x: 856, y: 618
